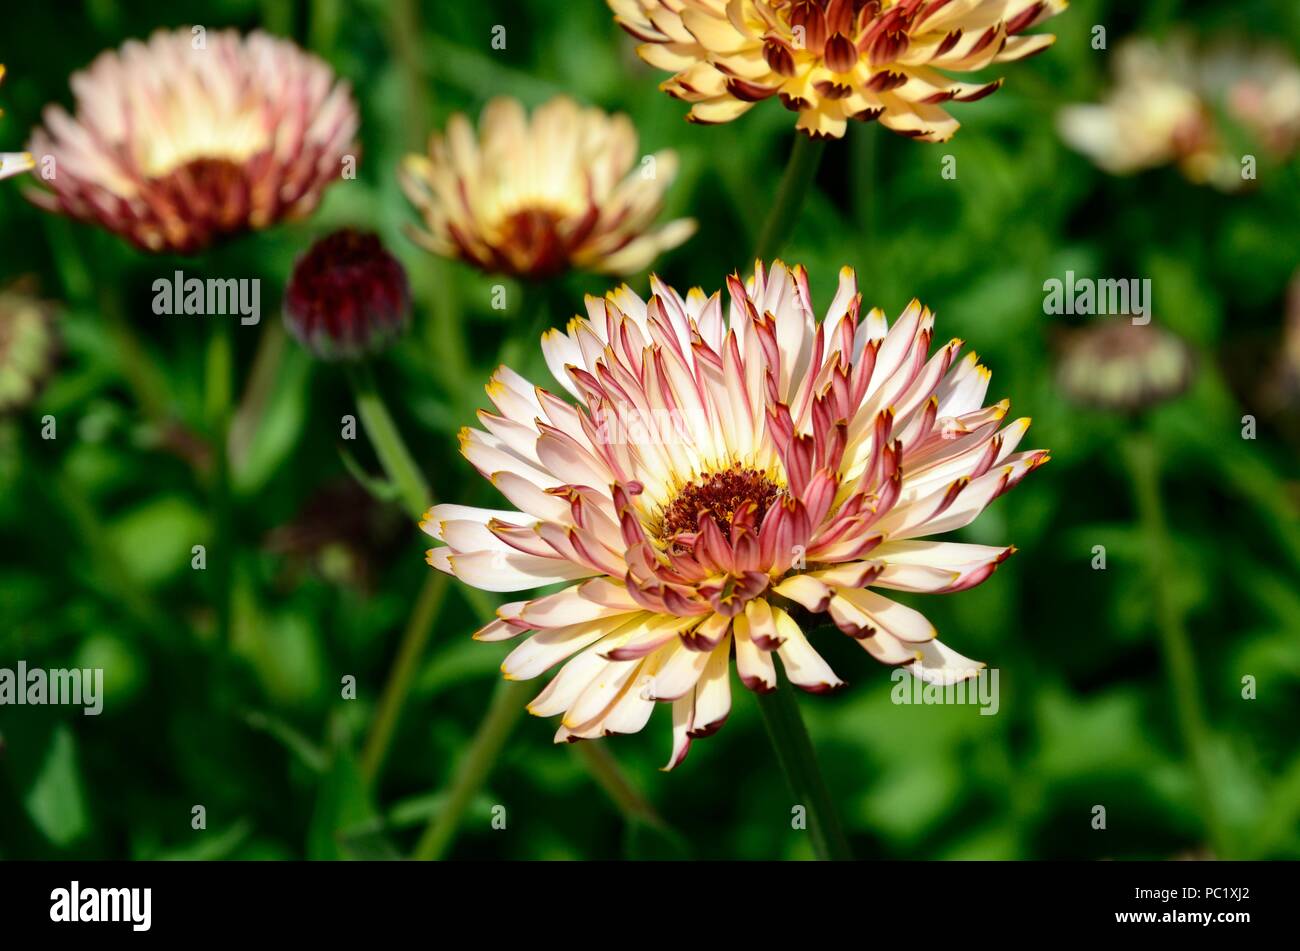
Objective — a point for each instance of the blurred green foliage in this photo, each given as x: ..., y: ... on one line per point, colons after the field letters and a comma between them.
x: 98, y: 524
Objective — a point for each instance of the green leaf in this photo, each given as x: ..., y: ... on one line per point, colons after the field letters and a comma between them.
x: 55, y: 801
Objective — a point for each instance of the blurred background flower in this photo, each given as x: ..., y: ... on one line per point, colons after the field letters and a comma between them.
x: 1123, y: 366
x: 1203, y: 108
x: 191, y: 137
x: 536, y: 196
x: 28, y: 347
x: 347, y: 297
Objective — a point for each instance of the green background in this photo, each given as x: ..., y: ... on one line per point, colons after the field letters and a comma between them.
x: 98, y: 524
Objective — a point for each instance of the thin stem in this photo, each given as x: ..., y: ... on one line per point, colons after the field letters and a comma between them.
x: 414, y: 640
x: 405, y: 35
x: 544, y: 310
x: 863, y: 140
x: 446, y: 339
x: 795, y: 182
x: 416, y: 496
x: 146, y: 382
x: 387, y: 440
x: 1142, y: 457
x: 323, y: 24
x: 798, y: 761
x: 257, y: 392
x: 604, y: 768
x: 504, y: 712
x: 218, y: 400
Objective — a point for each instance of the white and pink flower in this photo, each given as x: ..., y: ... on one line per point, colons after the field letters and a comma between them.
x: 808, y: 469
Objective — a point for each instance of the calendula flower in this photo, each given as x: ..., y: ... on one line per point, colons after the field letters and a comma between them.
x: 724, y: 470
x: 533, y: 197
x: 348, y: 296
x: 192, y: 137
x: 28, y: 347
x: 1122, y: 366
x: 834, y: 60
x: 1173, y: 104
x: 13, y: 163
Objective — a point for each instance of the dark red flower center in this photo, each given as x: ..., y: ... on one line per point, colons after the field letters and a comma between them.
x: 202, y: 199
x: 533, y: 239
x: 721, y: 494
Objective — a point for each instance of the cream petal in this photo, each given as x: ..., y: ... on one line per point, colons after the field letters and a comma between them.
x: 937, y: 663
x: 899, y: 620
x: 755, y: 666
x: 507, y: 570
x: 681, y: 670
x: 575, y: 605
x: 803, y: 665
x: 547, y: 648
x: 713, y: 692
x: 568, y: 684
x: 603, y: 689
x: 683, y: 717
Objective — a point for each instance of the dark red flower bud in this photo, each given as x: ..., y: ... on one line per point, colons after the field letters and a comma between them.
x: 348, y: 297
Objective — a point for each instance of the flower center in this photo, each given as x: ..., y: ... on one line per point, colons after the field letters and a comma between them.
x: 722, y: 494
x: 531, y: 239
x: 215, y: 189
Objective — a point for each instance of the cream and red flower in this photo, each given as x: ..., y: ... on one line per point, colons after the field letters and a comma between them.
x: 195, y: 136
x: 834, y: 60
x: 1169, y: 103
x: 533, y: 197
x: 13, y: 163
x: 726, y: 467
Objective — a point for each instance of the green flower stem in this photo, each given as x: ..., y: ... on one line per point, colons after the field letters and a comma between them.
x: 145, y: 380
x: 388, y: 443
x: 604, y: 768
x: 446, y: 341
x: 405, y: 34
x: 147, y: 383
x: 863, y: 143
x: 218, y: 401
x: 798, y: 761
x: 257, y: 392
x: 795, y: 182
x: 415, y: 639
x: 416, y: 497
x: 1142, y: 457
x: 474, y: 768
